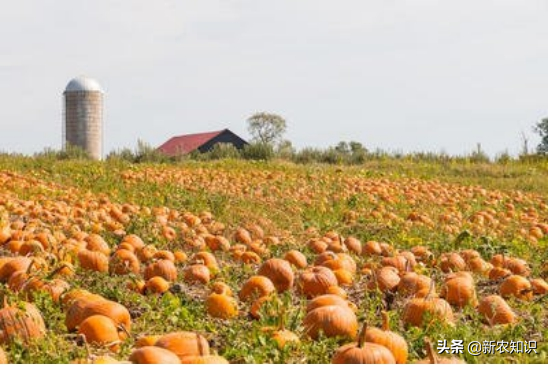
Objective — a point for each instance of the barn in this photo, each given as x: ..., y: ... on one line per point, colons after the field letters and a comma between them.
x: 202, y: 142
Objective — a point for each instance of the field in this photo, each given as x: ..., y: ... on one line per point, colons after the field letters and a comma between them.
x: 394, y: 234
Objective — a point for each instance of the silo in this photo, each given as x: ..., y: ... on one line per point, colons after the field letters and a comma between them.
x: 83, y: 124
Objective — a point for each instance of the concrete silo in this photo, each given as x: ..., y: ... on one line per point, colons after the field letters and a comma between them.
x: 83, y: 124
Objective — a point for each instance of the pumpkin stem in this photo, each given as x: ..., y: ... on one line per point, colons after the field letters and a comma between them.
x: 431, y: 289
x: 430, y: 351
x: 281, y: 318
x: 361, y: 335
x: 124, y: 329
x: 57, y: 270
x: 385, y: 321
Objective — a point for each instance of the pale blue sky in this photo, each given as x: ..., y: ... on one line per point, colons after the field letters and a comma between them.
x: 397, y: 75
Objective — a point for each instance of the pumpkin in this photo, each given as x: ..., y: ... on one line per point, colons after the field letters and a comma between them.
x: 220, y: 287
x: 164, y: 255
x: 336, y: 261
x: 450, y: 262
x: 96, y: 243
x: 217, y: 243
x: 282, y: 337
x: 221, y: 306
x: 82, y: 308
x: 206, y: 258
x: 279, y: 272
x: 384, y: 279
x: 256, y: 306
x: 204, y: 359
x: 540, y: 286
x: 250, y: 257
x: 338, y: 291
x: 517, y: 286
x: 344, y: 277
x: 459, y: 290
x: 156, y: 285
x: 146, y: 253
x: 363, y: 352
x: 153, y: 355
x: 315, y: 281
x: 242, y: 235
x: 124, y: 262
x: 400, y: 262
x: 416, y: 310
x: 499, y: 273
x: 255, y: 287
x: 327, y: 299
x: 518, y: 266
x: 184, y: 344
x: 296, y: 258
x: 23, y: 321
x: 197, y: 273
x: 93, y: 260
x: 353, y: 245
x: 5, y: 234
x: 372, y: 248
x: 496, y: 311
x: 163, y: 268
x: 149, y: 340
x: 391, y: 340
x: 411, y: 283
x: 332, y: 321
x: 14, y: 264
x: 100, y: 330
x: 180, y: 256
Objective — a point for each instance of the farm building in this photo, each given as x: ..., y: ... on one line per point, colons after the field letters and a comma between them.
x: 202, y: 142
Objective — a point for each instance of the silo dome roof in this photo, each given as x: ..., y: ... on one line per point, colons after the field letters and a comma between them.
x: 83, y: 83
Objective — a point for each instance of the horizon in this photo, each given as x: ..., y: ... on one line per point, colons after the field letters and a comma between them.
x: 417, y: 77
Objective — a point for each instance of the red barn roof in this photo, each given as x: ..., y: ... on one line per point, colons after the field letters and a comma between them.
x: 187, y: 143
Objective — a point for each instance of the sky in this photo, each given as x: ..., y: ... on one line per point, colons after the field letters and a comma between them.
x: 397, y: 75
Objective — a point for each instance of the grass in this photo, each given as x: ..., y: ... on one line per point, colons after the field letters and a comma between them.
x: 371, y: 202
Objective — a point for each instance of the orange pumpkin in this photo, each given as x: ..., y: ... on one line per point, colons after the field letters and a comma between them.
x: 516, y: 286
x: 363, y: 352
x: 164, y: 268
x: 93, y: 260
x: 100, y: 330
x: 221, y: 306
x: 315, y: 281
x: 279, y: 272
x: 85, y: 307
x: 124, y: 262
x: 153, y: 355
x: 332, y: 321
x: 255, y: 287
x: 459, y: 290
x: 296, y: 258
x: 184, y: 344
x: 496, y: 311
x: 197, y: 273
x: 156, y: 285
x: 22, y: 321
x: 391, y: 340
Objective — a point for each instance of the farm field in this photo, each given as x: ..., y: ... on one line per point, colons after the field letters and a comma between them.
x: 270, y: 262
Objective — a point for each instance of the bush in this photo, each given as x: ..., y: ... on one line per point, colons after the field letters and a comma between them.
x: 70, y: 152
x: 258, y: 151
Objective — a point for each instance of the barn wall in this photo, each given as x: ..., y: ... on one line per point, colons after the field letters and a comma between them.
x: 225, y: 137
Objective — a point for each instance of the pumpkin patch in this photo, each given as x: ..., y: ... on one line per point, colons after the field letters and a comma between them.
x: 242, y: 262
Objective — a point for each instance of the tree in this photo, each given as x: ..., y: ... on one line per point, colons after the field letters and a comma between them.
x: 542, y: 129
x: 266, y: 128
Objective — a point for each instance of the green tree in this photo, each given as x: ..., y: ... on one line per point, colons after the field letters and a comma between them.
x: 542, y: 129
x: 266, y: 128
